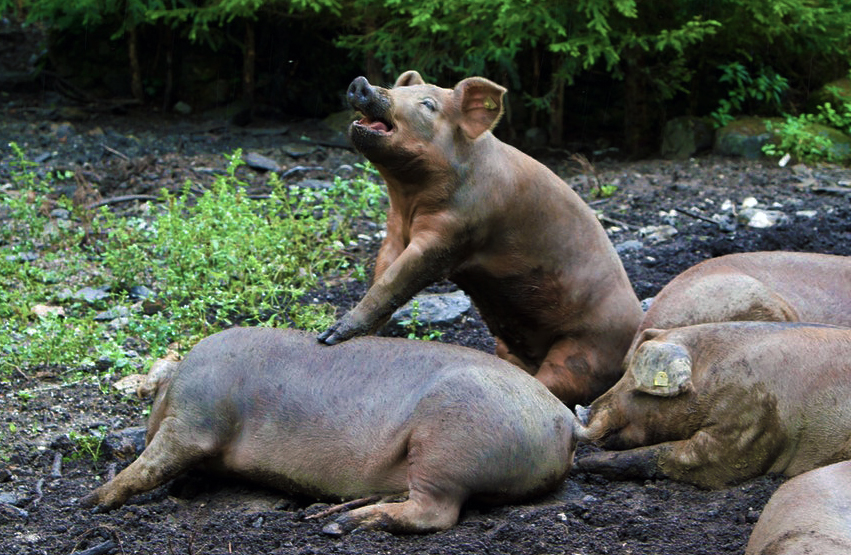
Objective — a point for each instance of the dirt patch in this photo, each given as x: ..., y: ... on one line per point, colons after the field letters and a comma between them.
x: 133, y: 154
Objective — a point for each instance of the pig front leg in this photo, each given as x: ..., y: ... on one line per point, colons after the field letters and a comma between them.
x: 641, y: 463
x: 420, y: 264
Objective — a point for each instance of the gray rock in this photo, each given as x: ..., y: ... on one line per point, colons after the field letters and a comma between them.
x: 260, y: 162
x: 435, y: 308
x: 297, y: 150
x: 125, y: 444
x: 92, y: 294
x: 760, y: 218
x: 743, y: 137
x: 684, y: 136
x: 656, y: 234
x: 629, y: 246
x: 112, y: 314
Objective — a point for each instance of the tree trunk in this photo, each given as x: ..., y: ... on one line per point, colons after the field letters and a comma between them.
x: 638, y: 124
x: 373, y: 70
x: 249, y: 56
x: 135, y: 69
x: 557, y: 111
x: 168, y: 88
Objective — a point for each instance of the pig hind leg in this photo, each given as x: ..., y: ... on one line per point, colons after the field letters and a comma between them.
x: 170, y: 452
x: 436, y: 494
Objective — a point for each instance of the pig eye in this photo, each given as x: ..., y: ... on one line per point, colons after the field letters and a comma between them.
x: 429, y: 103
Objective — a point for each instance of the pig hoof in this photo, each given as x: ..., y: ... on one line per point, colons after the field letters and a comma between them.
x: 328, y: 337
x: 89, y: 501
x: 333, y: 529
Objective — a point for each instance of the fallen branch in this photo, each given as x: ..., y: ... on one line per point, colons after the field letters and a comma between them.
x: 123, y: 198
x: 113, y: 151
x: 697, y: 217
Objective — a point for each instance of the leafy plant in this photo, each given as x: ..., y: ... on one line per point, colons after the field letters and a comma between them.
x: 212, y: 260
x: 765, y: 90
x: 801, y: 138
x: 413, y: 325
x: 87, y: 445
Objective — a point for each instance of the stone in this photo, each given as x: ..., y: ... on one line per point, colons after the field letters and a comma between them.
x: 685, y: 136
x: 434, y: 308
x: 259, y: 162
x: 744, y: 137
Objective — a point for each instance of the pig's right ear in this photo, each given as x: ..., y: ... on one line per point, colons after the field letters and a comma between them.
x: 408, y: 79
x: 661, y: 368
x: 480, y: 103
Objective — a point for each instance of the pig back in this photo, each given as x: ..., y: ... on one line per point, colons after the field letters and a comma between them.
x: 810, y: 513
x: 343, y: 420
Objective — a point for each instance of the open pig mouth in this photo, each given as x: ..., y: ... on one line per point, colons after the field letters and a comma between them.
x: 375, y: 125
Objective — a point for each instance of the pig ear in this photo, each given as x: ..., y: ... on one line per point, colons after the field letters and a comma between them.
x: 480, y: 103
x: 408, y: 79
x: 662, y: 369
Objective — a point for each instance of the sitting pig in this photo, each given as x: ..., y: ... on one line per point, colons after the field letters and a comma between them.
x: 372, y: 416
x: 810, y: 513
x: 468, y: 207
x: 772, y: 286
x: 716, y: 404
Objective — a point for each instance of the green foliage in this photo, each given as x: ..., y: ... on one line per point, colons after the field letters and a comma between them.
x: 87, y: 445
x: 213, y: 260
x: 802, y: 138
x: 766, y: 90
x: 413, y: 325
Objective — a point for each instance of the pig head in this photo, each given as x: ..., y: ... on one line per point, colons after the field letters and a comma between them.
x: 810, y: 513
x: 372, y: 416
x: 716, y: 404
x: 770, y: 286
x: 508, y: 231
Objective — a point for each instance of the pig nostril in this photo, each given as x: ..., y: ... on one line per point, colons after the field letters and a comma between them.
x: 360, y: 92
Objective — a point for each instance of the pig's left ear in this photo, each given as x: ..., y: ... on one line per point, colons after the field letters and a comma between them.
x: 661, y: 368
x: 480, y: 103
x: 409, y: 78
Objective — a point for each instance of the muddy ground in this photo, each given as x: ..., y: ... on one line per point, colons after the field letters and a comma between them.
x: 137, y: 153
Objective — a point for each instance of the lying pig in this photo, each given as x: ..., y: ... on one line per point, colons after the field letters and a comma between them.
x: 767, y: 286
x: 372, y: 416
x: 810, y: 513
x: 525, y: 247
x: 716, y: 404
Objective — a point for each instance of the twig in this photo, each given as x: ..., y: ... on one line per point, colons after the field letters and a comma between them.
x: 99, y: 549
x: 697, y: 217
x: 616, y: 222
x: 116, y: 200
x: 113, y: 151
x: 353, y: 504
x: 301, y: 169
x: 39, y: 492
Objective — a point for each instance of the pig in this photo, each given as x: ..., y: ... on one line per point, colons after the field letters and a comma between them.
x: 810, y: 513
x: 465, y: 206
x: 716, y: 404
x: 771, y: 286
x: 372, y: 416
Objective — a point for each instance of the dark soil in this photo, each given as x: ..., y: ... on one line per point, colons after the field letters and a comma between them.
x: 138, y: 153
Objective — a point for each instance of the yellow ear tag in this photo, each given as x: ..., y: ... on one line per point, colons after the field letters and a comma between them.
x: 489, y: 104
x: 661, y: 379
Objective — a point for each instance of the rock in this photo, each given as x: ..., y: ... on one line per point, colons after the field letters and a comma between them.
x: 435, y: 308
x: 139, y: 292
x: 760, y: 218
x: 629, y: 246
x: 340, y: 121
x: 125, y: 444
x: 645, y: 303
x: 112, y: 314
x: 656, y: 234
x: 297, y: 150
x: 42, y: 310
x: 836, y: 92
x: 685, y: 136
x: 260, y: 162
x: 744, y: 137
x: 182, y: 108
x: 92, y: 294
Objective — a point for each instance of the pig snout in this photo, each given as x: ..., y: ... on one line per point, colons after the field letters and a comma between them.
x: 360, y: 93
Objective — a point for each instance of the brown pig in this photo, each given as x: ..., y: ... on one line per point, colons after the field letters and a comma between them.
x: 468, y: 207
x: 372, y: 416
x: 771, y: 286
x: 810, y: 513
x: 716, y: 404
